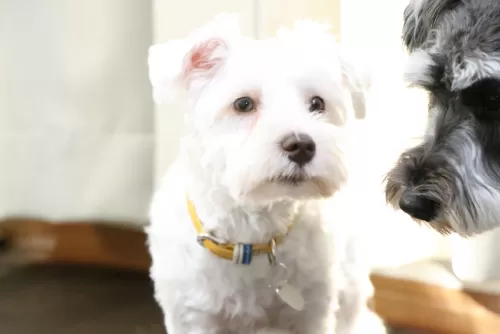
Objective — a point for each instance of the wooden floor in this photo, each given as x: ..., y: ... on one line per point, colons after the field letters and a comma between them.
x: 77, y: 300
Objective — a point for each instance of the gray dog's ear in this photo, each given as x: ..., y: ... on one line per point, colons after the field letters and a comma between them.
x: 420, y: 19
x: 410, y: 36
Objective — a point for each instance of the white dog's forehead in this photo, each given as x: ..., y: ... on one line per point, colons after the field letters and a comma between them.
x: 265, y: 66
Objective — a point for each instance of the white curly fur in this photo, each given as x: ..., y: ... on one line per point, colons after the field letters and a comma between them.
x: 227, y: 164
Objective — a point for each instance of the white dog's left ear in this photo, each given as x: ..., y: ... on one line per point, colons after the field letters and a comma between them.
x: 357, y: 80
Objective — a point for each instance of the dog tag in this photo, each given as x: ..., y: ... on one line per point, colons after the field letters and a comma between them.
x: 279, y: 276
x: 291, y: 296
x: 288, y: 293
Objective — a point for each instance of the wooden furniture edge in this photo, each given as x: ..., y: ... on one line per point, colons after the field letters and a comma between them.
x: 27, y: 241
x: 419, y: 305
x: 399, y: 302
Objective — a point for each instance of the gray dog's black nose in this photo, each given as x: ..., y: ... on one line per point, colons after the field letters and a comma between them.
x: 299, y: 148
x: 418, y: 207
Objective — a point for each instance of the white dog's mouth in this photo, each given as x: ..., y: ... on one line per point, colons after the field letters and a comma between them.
x: 295, y: 186
x: 291, y: 180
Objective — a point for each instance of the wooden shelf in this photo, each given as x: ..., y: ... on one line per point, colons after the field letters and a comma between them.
x: 406, y: 303
x: 96, y: 243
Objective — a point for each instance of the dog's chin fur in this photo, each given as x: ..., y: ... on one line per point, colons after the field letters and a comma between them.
x: 291, y: 189
x: 454, y: 55
x: 246, y: 190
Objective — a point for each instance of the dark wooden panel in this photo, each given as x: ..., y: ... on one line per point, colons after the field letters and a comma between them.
x: 98, y: 243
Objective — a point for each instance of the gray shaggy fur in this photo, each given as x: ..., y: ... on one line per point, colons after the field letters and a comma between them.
x: 451, y: 180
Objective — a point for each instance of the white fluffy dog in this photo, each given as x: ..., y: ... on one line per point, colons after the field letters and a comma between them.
x: 238, y: 238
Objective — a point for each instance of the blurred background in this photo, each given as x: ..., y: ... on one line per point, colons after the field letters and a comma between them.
x: 82, y: 146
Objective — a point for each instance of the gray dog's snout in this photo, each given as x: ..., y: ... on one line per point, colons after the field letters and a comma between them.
x: 299, y: 148
x: 419, y: 207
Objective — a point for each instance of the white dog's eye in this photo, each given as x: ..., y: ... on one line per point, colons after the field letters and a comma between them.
x: 244, y: 104
x: 316, y: 104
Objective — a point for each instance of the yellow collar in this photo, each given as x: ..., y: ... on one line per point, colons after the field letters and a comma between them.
x: 239, y: 253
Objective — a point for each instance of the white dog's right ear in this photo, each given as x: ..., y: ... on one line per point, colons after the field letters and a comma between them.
x: 181, y: 64
x: 165, y: 62
x: 176, y: 65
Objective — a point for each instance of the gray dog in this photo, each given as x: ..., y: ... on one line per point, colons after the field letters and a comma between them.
x: 451, y: 180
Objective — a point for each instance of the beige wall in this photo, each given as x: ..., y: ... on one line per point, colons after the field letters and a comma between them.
x: 274, y: 14
x: 75, y: 107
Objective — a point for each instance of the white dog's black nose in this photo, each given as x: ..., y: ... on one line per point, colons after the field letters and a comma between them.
x: 299, y: 148
x: 418, y: 207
